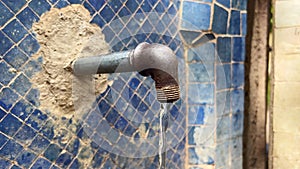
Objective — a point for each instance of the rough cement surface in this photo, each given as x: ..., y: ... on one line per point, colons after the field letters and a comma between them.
x: 64, y: 35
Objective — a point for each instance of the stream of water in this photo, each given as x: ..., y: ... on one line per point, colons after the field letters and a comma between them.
x: 162, y: 135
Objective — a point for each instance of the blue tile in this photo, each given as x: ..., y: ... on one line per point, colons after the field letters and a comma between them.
x: 237, y: 101
x: 26, y: 158
x: 25, y: 135
x: 200, y: 13
x: 204, y: 53
x: 93, y: 119
x: 31, y: 68
x: 15, y: 57
x: 9, y: 125
x: 3, y: 140
x: 15, y: 31
x: 201, y: 94
x: 27, y: 17
x: 223, y: 76
x: 223, y: 103
x: 98, y: 20
x: 238, y: 77
x: 6, y: 74
x: 160, y: 8
x: 90, y: 9
x: 244, y: 24
x: 196, y: 114
x: 39, y: 6
x: 48, y: 129
x: 135, y: 101
x: 41, y: 163
x: 109, y: 33
x: 132, y: 5
x: 22, y: 109
x: 52, y: 152
x: 53, y: 1
x: 10, y: 150
x: 235, y: 24
x: 222, y: 155
x: 5, y: 43
x: 73, y: 146
x: 115, y: 5
x: 36, y: 119
x: 15, y: 5
x: 5, y: 14
x: 193, y: 158
x: 4, y: 163
x: 239, y: 4
x: 121, y: 124
x: 129, y: 130
x: 191, y: 132
x: 237, y: 124
x: 189, y: 36
x: 107, y: 13
x: 39, y: 144
x: 29, y: 45
x: 112, y: 116
x: 220, y: 18
x: 226, y: 3
x: 224, y: 49
x: 21, y: 84
x: 239, y: 49
x: 33, y: 97
x: 201, y: 72
x: 62, y: 4
x: 96, y: 4
x: 223, y: 128
x: 64, y: 160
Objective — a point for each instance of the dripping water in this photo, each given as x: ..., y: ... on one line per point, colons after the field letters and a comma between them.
x: 163, y: 120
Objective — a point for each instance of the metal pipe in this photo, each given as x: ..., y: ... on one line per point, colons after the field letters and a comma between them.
x: 155, y: 60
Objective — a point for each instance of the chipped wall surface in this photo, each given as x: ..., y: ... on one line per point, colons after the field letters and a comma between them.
x: 286, y: 86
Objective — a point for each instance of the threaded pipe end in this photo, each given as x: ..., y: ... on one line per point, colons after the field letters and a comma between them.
x: 168, y: 94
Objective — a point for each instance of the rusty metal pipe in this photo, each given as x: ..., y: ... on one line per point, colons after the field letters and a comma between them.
x: 155, y: 60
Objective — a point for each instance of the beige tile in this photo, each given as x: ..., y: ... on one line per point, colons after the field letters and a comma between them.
x: 287, y: 13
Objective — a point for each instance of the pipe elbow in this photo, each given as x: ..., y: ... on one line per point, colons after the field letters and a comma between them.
x: 159, y: 62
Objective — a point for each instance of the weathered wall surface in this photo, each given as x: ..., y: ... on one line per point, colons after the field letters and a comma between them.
x: 286, y: 86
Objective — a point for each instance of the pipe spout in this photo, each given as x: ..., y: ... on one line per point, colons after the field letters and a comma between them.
x: 155, y: 60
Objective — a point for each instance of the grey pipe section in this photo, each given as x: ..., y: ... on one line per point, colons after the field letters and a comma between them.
x: 155, y: 60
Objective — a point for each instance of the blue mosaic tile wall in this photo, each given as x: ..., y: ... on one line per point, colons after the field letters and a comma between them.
x: 206, y: 124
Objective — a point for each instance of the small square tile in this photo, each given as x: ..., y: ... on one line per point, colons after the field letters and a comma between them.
x: 15, y: 167
x: 62, y: 4
x: 222, y: 155
x: 33, y: 97
x: 29, y: 45
x: 224, y: 49
x: 15, y: 5
x: 48, y: 129
x: 6, y: 73
x: 239, y: 50
x: 39, y: 144
x: 223, y: 76
x: 220, y: 19
x: 9, y: 125
x: 73, y: 146
x: 76, y: 1
x: 201, y: 72
x: 235, y: 23
x: 76, y: 164
x: 22, y: 109
x: 26, y: 158
x: 41, y: 163
x: 223, y: 103
x: 27, y: 17
x: 239, y: 4
x: 39, y: 6
x: 223, y: 128
x: 25, y: 135
x: 5, y: 43
x: 10, y: 150
x: 52, y: 152
x: 96, y: 4
x: 237, y: 101
x: 21, y: 84
x: 15, y: 57
x: 90, y: 9
x: 107, y: 13
x: 15, y: 31
x: 36, y: 119
x: 238, y: 75
x: 200, y: 13
x: 5, y: 14
x: 201, y: 94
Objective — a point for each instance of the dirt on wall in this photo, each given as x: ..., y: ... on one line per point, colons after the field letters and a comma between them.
x: 64, y: 35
